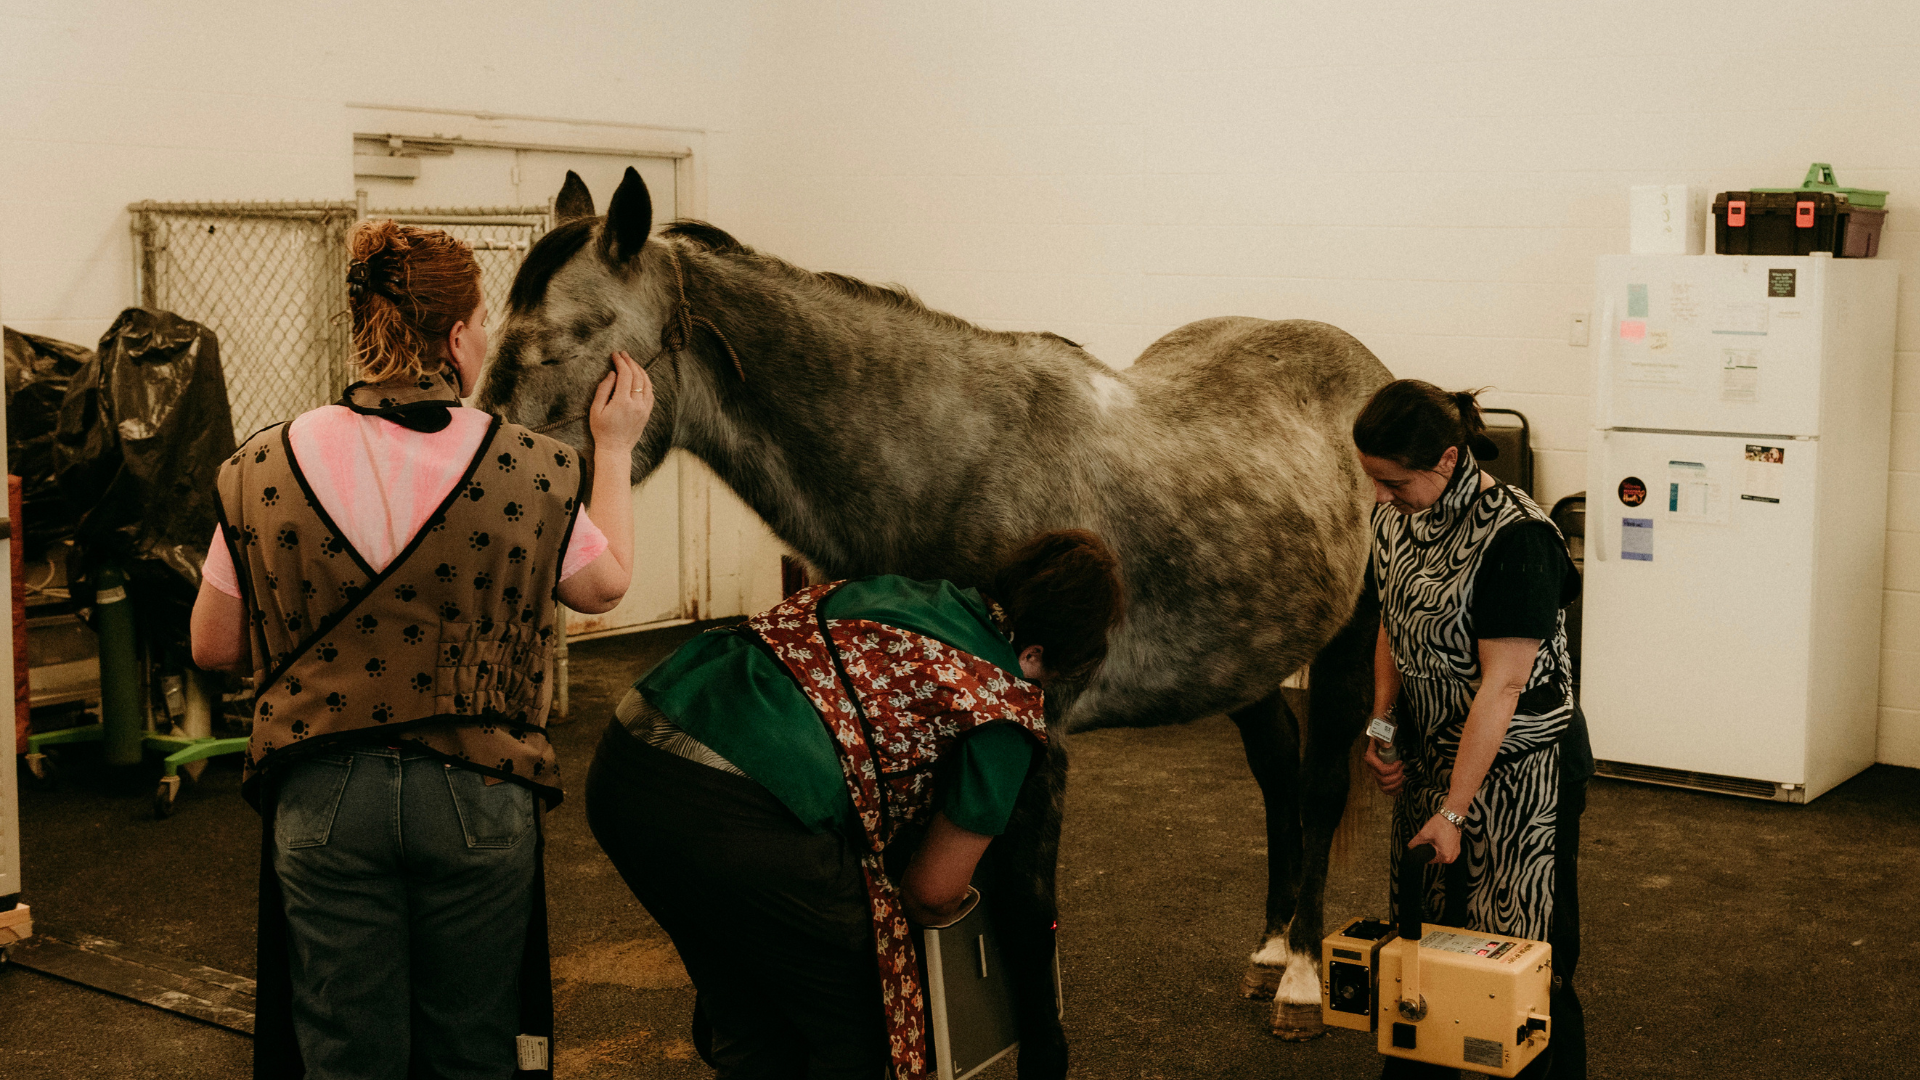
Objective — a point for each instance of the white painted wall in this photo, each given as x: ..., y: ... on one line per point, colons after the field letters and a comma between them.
x: 1434, y: 178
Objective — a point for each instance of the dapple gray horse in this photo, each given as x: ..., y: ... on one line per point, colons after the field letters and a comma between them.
x: 875, y: 435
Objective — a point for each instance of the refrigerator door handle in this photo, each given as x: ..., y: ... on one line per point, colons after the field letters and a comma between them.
x: 1603, y: 368
x: 1597, y: 537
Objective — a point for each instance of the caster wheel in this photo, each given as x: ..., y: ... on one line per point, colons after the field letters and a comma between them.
x: 41, y: 766
x: 164, y: 795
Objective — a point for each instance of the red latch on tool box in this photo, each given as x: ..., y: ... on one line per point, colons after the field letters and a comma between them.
x: 1803, y: 214
x: 1736, y: 214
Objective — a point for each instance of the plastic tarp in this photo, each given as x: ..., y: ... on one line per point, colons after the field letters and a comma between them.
x: 39, y: 370
x: 143, y: 428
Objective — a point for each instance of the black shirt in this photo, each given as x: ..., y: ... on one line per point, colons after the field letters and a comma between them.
x: 1524, y: 581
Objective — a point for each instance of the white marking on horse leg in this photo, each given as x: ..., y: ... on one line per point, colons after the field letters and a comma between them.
x: 1272, y: 954
x: 1301, y: 985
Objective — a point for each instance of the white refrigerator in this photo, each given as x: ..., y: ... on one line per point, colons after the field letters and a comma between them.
x: 1736, y: 519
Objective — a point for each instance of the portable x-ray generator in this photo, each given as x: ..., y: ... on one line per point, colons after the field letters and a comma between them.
x: 1456, y: 998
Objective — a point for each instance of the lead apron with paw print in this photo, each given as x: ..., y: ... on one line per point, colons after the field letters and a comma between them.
x: 894, y: 703
x: 446, y: 649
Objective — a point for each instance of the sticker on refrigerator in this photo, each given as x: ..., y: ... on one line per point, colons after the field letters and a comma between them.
x: 1766, y: 468
x: 1742, y: 318
x: 1633, y: 491
x: 1682, y: 306
x: 1740, y: 374
x: 1636, y: 539
x: 1659, y: 370
x: 1636, y: 301
x: 1695, y: 492
x: 1780, y: 282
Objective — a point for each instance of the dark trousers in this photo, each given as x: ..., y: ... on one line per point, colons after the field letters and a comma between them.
x: 408, y: 889
x: 1565, y: 1057
x: 771, y: 921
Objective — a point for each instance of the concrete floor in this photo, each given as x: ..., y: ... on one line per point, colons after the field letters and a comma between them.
x: 1724, y: 937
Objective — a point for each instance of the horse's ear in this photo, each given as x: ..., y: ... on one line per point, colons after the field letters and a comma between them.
x: 629, y: 220
x: 574, y: 200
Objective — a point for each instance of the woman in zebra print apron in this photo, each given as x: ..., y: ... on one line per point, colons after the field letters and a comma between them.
x: 1472, y: 580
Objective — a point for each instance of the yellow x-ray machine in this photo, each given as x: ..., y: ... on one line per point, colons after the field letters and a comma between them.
x: 1457, y: 998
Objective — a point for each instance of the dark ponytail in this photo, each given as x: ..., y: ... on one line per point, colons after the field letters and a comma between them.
x: 1061, y: 590
x: 1411, y: 423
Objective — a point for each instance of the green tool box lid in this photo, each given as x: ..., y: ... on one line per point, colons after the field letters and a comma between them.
x: 1820, y: 178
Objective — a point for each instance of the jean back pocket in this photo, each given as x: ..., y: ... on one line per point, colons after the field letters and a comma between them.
x: 309, y: 799
x: 491, y: 815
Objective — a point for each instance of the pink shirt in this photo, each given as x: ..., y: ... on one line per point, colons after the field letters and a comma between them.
x: 380, y: 482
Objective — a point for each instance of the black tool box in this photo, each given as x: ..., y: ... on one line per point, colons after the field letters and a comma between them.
x: 1777, y: 223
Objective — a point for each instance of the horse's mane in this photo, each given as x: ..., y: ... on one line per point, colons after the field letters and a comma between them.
x: 559, y: 246
x: 712, y: 238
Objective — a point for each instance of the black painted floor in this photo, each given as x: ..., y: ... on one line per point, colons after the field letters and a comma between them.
x: 1724, y: 937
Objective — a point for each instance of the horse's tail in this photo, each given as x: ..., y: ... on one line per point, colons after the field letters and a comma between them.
x: 1343, y: 673
x: 1366, y: 810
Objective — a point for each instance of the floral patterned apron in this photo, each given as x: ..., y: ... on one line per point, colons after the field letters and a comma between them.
x: 894, y: 702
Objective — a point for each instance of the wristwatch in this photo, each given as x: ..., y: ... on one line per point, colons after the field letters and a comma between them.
x: 1456, y: 820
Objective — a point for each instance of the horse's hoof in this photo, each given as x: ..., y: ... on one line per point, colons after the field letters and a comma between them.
x: 1261, y: 982
x: 1297, y: 1023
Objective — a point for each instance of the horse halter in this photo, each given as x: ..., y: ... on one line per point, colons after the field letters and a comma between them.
x: 675, y: 334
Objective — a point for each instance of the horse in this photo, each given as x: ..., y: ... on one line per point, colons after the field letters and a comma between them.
x: 876, y: 435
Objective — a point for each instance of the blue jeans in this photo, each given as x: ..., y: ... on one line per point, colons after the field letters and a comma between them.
x: 408, y: 887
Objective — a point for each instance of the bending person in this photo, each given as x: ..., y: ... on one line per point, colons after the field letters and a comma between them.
x: 386, y: 569
x: 1472, y: 578
x: 785, y: 854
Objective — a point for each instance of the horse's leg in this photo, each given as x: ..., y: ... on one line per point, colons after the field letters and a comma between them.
x: 1271, y: 736
x: 1018, y: 874
x: 1340, y: 690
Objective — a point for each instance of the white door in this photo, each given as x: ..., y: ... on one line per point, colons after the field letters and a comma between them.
x: 1710, y: 343
x: 1696, y: 643
x: 663, y: 589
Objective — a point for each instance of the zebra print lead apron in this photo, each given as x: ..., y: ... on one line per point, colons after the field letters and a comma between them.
x: 1425, y: 565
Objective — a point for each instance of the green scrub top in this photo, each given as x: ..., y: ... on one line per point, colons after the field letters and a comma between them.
x: 730, y: 694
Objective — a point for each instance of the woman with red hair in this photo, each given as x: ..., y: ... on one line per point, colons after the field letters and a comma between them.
x: 386, y: 569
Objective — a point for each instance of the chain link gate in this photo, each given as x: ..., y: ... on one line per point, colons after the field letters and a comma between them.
x: 269, y: 278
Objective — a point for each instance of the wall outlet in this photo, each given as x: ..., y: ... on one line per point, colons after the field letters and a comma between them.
x: 1577, y: 329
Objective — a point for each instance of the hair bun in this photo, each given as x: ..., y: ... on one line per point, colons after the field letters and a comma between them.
x: 1062, y: 591
x: 429, y: 282
x: 1484, y: 449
